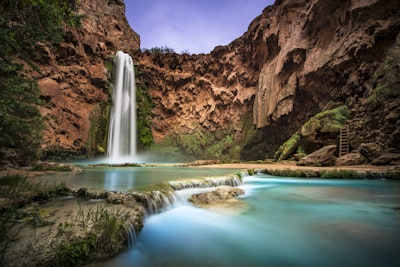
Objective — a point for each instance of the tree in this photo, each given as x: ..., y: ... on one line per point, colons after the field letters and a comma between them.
x: 23, y: 25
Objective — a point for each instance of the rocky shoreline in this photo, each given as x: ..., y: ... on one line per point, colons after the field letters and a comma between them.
x: 72, y: 231
x: 47, y: 225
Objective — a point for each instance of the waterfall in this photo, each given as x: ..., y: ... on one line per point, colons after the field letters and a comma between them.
x: 156, y: 202
x: 122, y: 128
x: 132, y: 237
x: 206, y: 182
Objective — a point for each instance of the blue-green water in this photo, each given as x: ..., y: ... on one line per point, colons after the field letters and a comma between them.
x: 125, y: 178
x: 290, y: 222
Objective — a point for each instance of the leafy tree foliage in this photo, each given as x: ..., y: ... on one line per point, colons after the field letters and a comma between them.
x: 23, y: 25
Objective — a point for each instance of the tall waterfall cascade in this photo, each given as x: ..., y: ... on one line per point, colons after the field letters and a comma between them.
x: 121, y: 146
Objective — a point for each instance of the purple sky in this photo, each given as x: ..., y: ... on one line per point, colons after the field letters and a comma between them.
x: 195, y: 26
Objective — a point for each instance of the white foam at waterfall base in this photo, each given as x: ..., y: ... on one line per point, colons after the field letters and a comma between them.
x: 121, y: 146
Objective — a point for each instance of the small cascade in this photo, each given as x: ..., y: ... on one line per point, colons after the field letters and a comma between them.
x: 157, y: 201
x: 232, y: 180
x: 132, y: 237
x: 121, y: 146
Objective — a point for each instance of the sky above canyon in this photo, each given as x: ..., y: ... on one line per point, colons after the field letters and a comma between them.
x: 193, y: 26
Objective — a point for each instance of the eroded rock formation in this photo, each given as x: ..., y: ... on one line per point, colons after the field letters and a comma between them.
x: 245, y: 99
x: 296, y: 58
x: 73, y: 75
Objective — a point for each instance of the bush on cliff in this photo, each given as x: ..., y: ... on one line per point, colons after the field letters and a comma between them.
x: 328, y: 121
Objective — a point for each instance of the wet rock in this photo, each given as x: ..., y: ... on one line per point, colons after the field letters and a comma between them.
x: 126, y: 199
x: 322, y: 157
x: 215, y: 196
x: 135, y: 217
x: 91, y: 193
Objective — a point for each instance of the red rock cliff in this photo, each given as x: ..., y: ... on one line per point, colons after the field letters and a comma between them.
x: 245, y: 99
x: 296, y: 58
x: 73, y: 76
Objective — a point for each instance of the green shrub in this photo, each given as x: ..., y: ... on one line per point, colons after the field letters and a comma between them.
x: 288, y: 148
x: 326, y: 121
x: 144, y: 115
x: 342, y: 174
x: 51, y: 167
x: 99, y: 231
x: 250, y: 172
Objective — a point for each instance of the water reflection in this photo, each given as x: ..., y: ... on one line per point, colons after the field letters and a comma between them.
x: 114, y: 181
x: 125, y: 178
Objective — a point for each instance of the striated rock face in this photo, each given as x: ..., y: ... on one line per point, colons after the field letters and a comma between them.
x: 73, y: 75
x: 297, y: 57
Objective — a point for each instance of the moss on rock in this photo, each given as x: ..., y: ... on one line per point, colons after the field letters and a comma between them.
x: 98, y: 131
x: 320, y: 130
x: 327, y: 121
x: 288, y: 148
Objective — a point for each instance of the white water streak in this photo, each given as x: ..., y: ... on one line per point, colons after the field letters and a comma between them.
x: 122, y: 129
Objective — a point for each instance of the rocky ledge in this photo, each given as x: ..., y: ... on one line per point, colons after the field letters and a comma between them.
x: 221, y: 200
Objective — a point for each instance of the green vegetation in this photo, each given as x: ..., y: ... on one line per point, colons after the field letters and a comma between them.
x: 326, y: 121
x: 333, y: 174
x: 288, y: 148
x: 239, y: 174
x: 98, y: 131
x: 24, y: 26
x: 51, y: 167
x: 203, y: 144
x: 17, y: 190
x: 342, y: 174
x: 160, y: 186
x: 380, y: 95
x: 102, y: 231
x: 144, y: 115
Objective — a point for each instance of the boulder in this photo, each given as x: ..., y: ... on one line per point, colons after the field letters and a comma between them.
x: 322, y: 157
x: 370, y: 150
x: 354, y: 158
x: 387, y: 159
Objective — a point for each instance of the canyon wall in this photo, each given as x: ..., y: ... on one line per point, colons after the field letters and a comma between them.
x: 243, y: 100
x: 296, y: 59
x: 74, y: 75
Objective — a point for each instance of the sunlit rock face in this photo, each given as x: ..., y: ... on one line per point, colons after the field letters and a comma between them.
x: 297, y: 58
x: 73, y: 75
